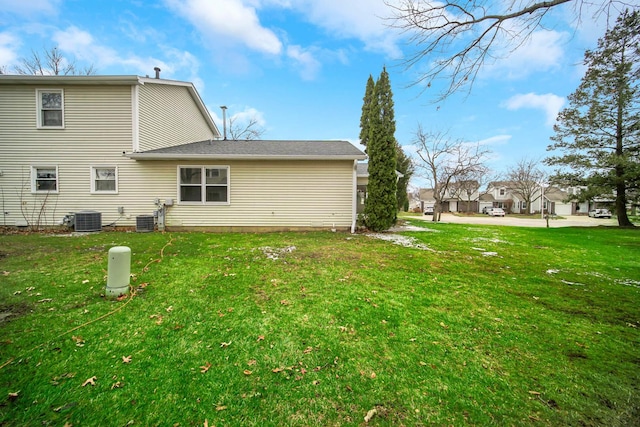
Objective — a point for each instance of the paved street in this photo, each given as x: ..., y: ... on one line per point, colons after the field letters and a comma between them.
x: 571, y: 221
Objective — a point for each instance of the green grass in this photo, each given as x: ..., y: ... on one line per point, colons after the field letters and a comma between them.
x: 494, y: 325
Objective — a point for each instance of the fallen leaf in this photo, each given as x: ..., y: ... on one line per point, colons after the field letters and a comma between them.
x: 247, y: 372
x: 206, y: 423
x: 284, y: 302
x: 308, y: 350
x: 372, y: 413
x: 126, y: 359
x: 85, y: 281
x: 13, y: 395
x: 276, y: 370
x: 169, y: 309
x: 91, y: 381
x: 443, y: 325
x: 316, y: 382
x: 116, y: 385
x: 143, y: 285
x: 373, y: 375
x: 78, y: 340
x: 252, y: 362
x: 225, y: 344
x: 121, y: 297
x: 535, y: 393
x: 68, y: 424
x: 260, y: 338
x: 205, y: 368
x: 5, y: 273
x: 303, y: 371
x: 220, y: 408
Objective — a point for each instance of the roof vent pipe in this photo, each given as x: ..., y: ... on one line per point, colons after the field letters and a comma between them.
x: 224, y: 120
x: 157, y: 70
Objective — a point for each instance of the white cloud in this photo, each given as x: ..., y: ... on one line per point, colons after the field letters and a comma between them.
x: 8, y: 48
x: 549, y: 103
x: 495, y: 140
x: 225, y: 21
x: 30, y: 7
x: 84, y: 47
x: 359, y: 19
x: 309, y: 65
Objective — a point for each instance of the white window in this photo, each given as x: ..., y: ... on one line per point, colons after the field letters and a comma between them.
x: 50, y: 108
x: 502, y: 191
x: 104, y: 179
x: 203, y: 184
x: 44, y: 179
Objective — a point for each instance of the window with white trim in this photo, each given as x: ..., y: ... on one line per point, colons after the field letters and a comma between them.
x: 50, y: 108
x: 104, y: 179
x: 203, y: 184
x: 44, y: 179
x: 503, y: 191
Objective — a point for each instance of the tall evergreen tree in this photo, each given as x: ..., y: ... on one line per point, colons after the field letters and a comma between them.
x: 366, y: 107
x: 381, y: 206
x: 599, y: 132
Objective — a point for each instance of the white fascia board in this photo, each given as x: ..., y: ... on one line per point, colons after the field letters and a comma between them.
x: 152, y: 156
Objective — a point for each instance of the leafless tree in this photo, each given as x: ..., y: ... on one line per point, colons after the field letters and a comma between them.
x: 51, y: 62
x: 245, y: 130
x: 454, y: 38
x: 443, y: 160
x: 525, y: 180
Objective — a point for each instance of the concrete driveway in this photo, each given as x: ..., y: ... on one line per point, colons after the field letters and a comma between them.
x: 570, y: 221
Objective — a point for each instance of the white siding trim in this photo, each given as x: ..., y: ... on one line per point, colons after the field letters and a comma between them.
x: 354, y: 197
x: 135, y: 118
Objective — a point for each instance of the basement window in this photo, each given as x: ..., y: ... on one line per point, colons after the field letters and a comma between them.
x: 203, y: 184
x: 50, y: 108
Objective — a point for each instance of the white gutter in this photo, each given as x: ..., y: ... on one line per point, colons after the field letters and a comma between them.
x: 354, y: 196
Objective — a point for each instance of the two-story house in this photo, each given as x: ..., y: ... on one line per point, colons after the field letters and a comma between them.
x: 126, y: 147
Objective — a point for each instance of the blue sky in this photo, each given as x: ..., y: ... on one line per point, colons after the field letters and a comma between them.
x: 300, y: 66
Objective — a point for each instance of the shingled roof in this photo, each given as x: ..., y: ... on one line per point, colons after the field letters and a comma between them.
x: 254, y: 150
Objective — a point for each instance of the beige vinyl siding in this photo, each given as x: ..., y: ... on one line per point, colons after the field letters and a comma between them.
x: 169, y: 116
x: 97, y: 131
x: 264, y: 194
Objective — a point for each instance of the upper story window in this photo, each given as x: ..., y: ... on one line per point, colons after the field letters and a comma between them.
x: 104, y: 179
x: 204, y: 184
x: 44, y: 179
x: 503, y: 191
x: 50, y: 108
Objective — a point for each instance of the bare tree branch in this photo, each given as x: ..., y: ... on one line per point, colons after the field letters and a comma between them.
x: 455, y: 38
x: 51, y: 62
x: 249, y: 130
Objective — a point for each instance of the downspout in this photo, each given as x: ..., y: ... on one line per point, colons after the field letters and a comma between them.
x: 354, y: 197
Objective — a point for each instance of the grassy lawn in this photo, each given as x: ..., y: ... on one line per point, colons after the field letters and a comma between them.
x: 476, y: 326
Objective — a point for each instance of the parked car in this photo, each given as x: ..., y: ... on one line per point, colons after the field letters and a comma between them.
x: 486, y: 210
x: 496, y: 212
x: 600, y: 213
x: 428, y: 210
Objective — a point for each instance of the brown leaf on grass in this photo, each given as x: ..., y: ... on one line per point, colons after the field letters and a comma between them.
x: 206, y: 423
x: 169, y: 309
x: 373, y: 375
x: 6, y: 273
x: 116, y: 385
x: 225, y: 344
x: 535, y: 393
x: 204, y: 368
x: 122, y: 297
x: 13, y: 395
x: 126, y: 359
x: 260, y: 338
x: 285, y: 302
x: 316, y: 382
x: 91, y: 381
x: 247, y: 372
x: 307, y: 350
x: 220, y: 408
x: 276, y: 370
x: 78, y: 340
x: 143, y: 285
x: 68, y: 424
x: 252, y: 362
x: 157, y: 317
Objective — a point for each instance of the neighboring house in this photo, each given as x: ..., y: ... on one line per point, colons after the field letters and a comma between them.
x: 127, y: 146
